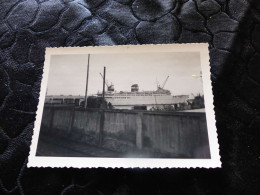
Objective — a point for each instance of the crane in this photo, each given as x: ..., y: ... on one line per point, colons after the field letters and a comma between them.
x: 109, y: 87
x: 164, y: 82
x: 103, y: 78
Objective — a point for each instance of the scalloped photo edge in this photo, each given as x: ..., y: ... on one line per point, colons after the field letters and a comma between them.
x: 147, y: 155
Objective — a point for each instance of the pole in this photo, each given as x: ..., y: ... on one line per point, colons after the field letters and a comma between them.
x: 86, y: 93
x: 102, y: 112
x: 104, y: 82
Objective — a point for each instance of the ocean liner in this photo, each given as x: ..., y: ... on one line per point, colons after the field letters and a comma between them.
x: 150, y: 99
x: 126, y: 99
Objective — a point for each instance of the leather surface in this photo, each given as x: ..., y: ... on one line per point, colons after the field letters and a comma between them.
x: 231, y: 27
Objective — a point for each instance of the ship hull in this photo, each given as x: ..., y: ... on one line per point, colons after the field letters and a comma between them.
x: 145, y: 100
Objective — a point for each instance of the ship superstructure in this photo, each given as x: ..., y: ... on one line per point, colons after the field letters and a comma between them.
x: 125, y: 99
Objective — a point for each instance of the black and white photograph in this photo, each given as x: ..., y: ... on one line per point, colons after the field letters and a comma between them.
x: 124, y: 103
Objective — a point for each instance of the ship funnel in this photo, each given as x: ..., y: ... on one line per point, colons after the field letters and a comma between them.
x: 111, y: 88
x: 134, y: 88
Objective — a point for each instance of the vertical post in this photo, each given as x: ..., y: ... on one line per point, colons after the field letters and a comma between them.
x: 139, y: 130
x: 102, y: 112
x: 86, y: 92
x: 101, y: 127
x: 104, y: 82
x: 52, y: 118
x: 72, y: 121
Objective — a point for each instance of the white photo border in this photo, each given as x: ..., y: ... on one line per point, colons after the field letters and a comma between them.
x: 92, y: 162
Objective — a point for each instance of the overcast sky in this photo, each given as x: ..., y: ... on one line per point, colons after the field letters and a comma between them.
x: 67, y: 74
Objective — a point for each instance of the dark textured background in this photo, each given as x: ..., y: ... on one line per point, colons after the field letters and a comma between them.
x: 231, y: 27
